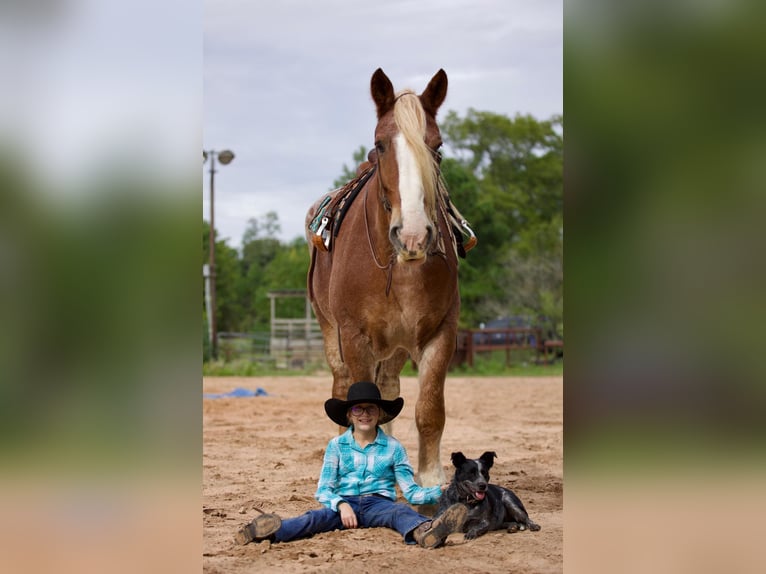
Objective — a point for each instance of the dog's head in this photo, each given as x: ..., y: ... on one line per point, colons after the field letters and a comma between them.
x: 472, y: 475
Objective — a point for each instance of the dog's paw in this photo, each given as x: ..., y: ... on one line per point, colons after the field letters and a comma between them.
x: 471, y: 534
x: 533, y: 526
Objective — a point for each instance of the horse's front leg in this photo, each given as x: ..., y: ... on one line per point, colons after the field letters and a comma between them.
x: 430, y: 411
x: 358, y: 358
x: 387, y: 379
x: 387, y: 374
x: 341, y: 378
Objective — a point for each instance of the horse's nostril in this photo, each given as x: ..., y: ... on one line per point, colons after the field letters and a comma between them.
x: 393, y: 233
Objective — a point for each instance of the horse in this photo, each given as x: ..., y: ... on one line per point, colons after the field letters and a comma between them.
x: 384, y: 286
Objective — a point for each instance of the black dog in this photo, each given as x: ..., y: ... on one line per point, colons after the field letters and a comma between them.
x: 490, y: 507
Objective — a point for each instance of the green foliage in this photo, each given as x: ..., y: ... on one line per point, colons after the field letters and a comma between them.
x: 259, y: 248
x: 507, y: 179
x: 250, y: 368
x: 286, y: 271
x: 349, y: 173
x: 242, y: 280
x: 522, y: 363
x: 492, y: 364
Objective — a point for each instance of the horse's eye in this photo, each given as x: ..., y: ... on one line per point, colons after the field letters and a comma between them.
x: 379, y: 146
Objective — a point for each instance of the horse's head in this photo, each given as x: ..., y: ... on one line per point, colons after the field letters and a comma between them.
x: 407, y: 141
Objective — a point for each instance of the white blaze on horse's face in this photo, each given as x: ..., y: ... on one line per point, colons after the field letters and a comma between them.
x: 415, y: 228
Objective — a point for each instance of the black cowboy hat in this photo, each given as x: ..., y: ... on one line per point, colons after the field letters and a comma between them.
x: 363, y: 392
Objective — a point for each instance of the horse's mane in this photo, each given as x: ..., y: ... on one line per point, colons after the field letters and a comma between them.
x: 410, y: 118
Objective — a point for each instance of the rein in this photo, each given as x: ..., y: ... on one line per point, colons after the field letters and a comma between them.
x: 390, y: 265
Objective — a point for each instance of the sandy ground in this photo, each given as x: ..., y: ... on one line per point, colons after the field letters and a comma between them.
x: 266, y: 452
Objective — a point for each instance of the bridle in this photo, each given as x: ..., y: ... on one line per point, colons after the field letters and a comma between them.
x: 392, y: 259
x: 389, y: 267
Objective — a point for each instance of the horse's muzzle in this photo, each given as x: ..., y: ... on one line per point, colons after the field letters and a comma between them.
x: 411, y: 246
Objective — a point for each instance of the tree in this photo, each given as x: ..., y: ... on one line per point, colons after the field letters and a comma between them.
x: 287, y: 270
x: 349, y: 173
x: 259, y: 242
x: 507, y: 178
x: 228, y: 311
x: 534, y: 274
x: 260, y: 247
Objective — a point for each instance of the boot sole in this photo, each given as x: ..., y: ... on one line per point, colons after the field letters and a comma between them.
x: 450, y: 521
x: 260, y: 528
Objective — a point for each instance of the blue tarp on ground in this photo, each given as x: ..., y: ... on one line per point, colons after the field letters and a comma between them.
x: 239, y: 392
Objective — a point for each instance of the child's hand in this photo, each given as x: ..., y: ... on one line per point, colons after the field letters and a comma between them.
x: 347, y: 515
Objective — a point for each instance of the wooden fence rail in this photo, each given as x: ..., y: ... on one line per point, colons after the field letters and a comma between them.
x: 472, y: 341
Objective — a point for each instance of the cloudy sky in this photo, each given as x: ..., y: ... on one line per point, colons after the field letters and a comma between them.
x: 286, y: 85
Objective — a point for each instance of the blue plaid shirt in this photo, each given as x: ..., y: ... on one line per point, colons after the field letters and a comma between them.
x: 349, y: 470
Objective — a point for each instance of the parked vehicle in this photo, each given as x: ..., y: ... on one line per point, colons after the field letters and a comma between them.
x: 510, y: 337
x: 521, y: 332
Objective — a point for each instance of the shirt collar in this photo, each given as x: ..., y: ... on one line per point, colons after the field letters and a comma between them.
x: 348, y: 437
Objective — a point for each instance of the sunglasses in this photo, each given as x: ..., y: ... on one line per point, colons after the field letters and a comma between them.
x: 371, y: 410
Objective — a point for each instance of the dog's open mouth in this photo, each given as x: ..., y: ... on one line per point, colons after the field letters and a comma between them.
x: 479, y: 494
x: 470, y: 490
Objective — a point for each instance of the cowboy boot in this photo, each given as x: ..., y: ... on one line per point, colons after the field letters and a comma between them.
x: 262, y: 528
x: 433, y: 533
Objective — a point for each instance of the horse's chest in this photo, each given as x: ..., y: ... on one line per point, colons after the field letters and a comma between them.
x: 406, y: 309
x: 400, y: 320
x: 404, y: 323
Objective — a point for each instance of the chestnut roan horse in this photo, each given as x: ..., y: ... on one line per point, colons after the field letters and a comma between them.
x: 386, y: 288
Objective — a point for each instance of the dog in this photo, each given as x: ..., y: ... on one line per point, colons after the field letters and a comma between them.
x: 490, y: 507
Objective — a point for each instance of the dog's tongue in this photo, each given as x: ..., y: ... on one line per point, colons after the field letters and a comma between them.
x: 479, y: 495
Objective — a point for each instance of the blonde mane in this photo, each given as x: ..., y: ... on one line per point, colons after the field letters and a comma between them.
x: 410, y: 118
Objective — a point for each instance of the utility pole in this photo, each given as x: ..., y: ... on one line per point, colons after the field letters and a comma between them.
x: 224, y: 157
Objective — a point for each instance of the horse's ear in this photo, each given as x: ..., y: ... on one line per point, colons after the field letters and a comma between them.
x: 382, y: 92
x: 458, y: 458
x: 435, y: 92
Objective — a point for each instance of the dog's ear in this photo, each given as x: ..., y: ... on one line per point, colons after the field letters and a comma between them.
x: 488, y: 458
x: 458, y: 458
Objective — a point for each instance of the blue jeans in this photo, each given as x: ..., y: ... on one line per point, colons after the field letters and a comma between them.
x: 371, y: 511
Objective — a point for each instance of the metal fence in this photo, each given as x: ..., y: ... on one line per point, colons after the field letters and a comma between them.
x: 291, y: 346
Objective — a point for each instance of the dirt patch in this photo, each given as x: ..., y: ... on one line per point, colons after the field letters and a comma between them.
x: 266, y: 452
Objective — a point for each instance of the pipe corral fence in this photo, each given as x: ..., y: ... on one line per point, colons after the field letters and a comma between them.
x: 291, y: 342
x: 296, y: 342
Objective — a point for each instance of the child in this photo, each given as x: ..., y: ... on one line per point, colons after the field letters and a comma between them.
x: 356, y: 484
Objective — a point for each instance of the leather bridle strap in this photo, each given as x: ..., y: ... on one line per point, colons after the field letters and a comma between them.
x: 390, y: 265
